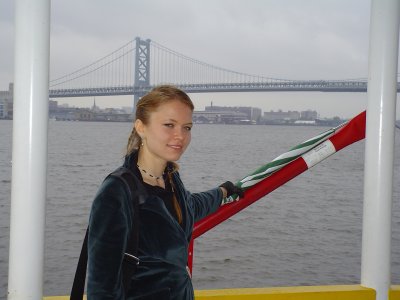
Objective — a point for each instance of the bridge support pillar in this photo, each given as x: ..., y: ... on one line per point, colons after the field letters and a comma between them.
x: 142, y: 69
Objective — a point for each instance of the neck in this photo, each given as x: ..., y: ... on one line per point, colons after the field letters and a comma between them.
x: 150, y: 165
x: 146, y: 172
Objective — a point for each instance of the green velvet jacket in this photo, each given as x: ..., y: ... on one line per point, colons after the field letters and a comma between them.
x: 163, y: 243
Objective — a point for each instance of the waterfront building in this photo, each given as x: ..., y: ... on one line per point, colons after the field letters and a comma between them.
x: 308, y: 115
x: 6, y: 102
x: 281, y: 117
x: 53, y: 107
x: 2, y: 109
x: 236, y: 114
x: 83, y: 114
x: 217, y: 117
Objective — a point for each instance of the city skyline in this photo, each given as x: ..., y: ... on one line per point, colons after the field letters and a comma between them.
x: 107, y: 102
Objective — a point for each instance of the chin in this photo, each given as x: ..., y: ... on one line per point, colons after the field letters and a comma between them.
x: 173, y: 156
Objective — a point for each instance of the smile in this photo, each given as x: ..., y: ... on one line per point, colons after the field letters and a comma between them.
x: 178, y: 147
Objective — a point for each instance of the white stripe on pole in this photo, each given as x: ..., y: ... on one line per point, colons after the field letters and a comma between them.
x: 379, y: 146
x: 29, y: 150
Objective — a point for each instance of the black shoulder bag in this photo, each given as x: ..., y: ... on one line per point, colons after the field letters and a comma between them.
x: 131, y: 260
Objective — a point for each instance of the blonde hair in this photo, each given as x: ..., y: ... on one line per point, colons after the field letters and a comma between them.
x: 144, y: 108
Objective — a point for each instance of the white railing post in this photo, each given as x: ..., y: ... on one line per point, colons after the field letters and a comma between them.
x: 29, y: 149
x: 379, y: 146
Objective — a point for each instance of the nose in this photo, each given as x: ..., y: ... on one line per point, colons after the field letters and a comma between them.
x: 180, y: 133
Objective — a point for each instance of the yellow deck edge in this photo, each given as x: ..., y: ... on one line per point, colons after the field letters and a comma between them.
x: 394, y: 293
x: 326, y: 292
x: 330, y: 292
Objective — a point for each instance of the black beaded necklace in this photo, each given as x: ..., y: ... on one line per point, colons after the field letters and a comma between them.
x: 155, y: 177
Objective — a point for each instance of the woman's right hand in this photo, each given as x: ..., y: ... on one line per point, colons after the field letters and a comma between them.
x: 228, y: 189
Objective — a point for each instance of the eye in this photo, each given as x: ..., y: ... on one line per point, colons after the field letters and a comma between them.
x: 188, y: 128
x: 170, y: 125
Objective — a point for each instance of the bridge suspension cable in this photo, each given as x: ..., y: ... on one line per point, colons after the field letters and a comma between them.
x: 114, y: 69
x: 169, y: 66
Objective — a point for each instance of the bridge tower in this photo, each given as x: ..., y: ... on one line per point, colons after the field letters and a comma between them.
x: 142, y: 67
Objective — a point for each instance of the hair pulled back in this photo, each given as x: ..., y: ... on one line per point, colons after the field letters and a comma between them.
x: 149, y: 103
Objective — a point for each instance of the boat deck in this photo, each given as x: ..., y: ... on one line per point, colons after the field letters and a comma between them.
x: 330, y: 292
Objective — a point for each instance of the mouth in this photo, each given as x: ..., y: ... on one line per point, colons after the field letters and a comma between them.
x: 176, y: 147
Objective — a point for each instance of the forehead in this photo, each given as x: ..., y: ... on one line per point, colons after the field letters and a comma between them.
x: 172, y: 109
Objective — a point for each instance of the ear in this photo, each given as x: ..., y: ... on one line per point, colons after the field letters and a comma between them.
x: 139, y: 126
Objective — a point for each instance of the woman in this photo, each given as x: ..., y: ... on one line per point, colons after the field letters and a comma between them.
x: 161, y: 134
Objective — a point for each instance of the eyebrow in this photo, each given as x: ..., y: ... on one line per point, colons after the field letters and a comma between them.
x: 175, y: 121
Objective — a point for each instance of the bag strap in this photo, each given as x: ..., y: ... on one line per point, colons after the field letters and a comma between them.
x: 78, y: 287
x: 130, y: 261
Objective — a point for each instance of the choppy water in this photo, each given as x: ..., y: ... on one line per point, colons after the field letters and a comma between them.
x: 307, y: 232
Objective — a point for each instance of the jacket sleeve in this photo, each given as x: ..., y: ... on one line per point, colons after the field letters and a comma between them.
x: 204, y: 203
x: 201, y: 204
x: 109, y: 226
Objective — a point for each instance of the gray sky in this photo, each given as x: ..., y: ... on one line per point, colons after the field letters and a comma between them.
x: 288, y: 39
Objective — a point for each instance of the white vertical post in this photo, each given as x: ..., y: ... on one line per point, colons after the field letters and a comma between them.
x: 379, y: 147
x: 29, y: 150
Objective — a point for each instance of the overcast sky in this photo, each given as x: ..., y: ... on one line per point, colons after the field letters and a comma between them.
x: 288, y: 39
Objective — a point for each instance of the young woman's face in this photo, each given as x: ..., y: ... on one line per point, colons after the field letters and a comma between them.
x: 167, y: 134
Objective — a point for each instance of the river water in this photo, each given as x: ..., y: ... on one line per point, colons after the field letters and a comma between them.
x: 308, y: 232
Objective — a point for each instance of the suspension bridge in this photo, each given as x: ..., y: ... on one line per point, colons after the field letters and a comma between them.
x: 139, y: 65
